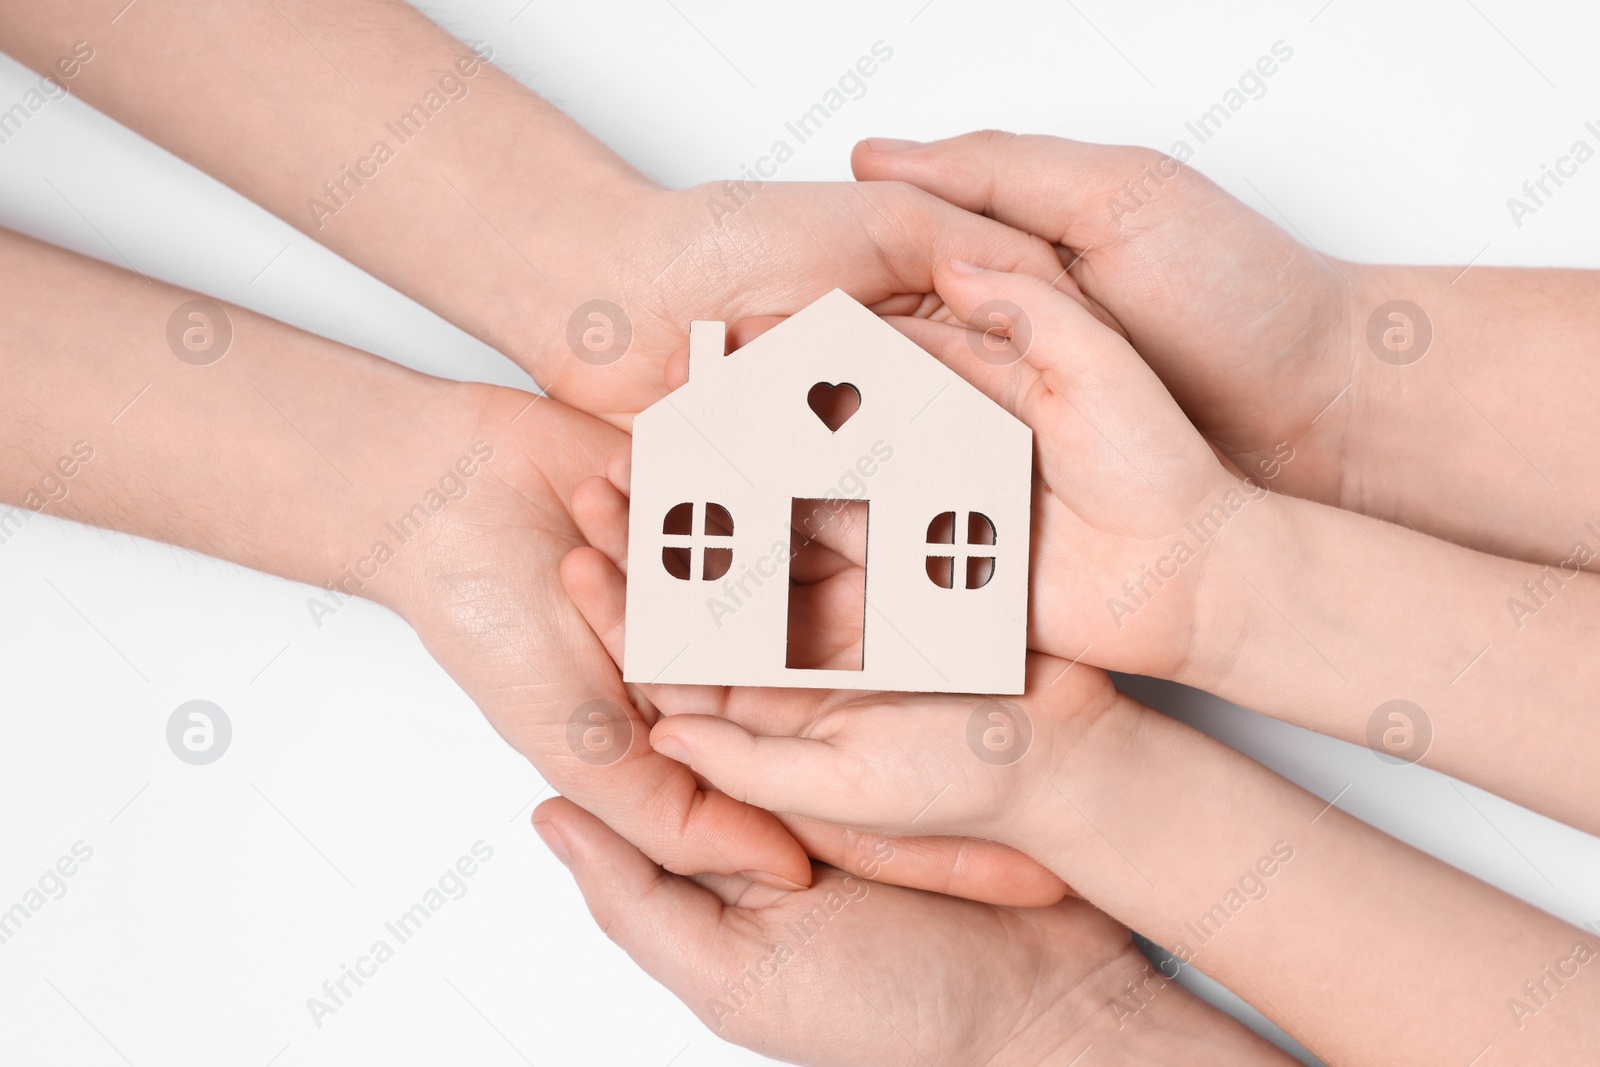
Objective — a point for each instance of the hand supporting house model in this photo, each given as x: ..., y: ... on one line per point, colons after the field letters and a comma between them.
x: 1317, y: 378
x: 1084, y: 778
x: 572, y: 263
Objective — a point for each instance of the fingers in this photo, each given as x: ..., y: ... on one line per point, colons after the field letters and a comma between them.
x: 642, y: 792
x: 601, y: 514
x: 1098, y: 410
x: 597, y: 588
x: 619, y: 468
x: 512, y: 637
x: 826, y: 623
x: 915, y: 232
x: 666, y: 923
x: 776, y: 773
x: 1070, y: 193
x: 1022, y: 333
x: 833, y: 538
x: 960, y: 867
x: 1021, y: 319
x: 599, y: 592
x: 978, y: 870
x: 602, y: 757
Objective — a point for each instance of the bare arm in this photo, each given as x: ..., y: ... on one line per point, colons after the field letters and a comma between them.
x: 1480, y: 427
x: 301, y: 457
x: 145, y: 409
x: 1476, y: 665
x: 376, y: 133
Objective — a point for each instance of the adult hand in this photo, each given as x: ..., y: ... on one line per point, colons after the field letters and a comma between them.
x: 1254, y: 333
x: 482, y: 592
x: 666, y: 258
x: 1361, y: 369
x: 484, y: 596
x: 847, y: 972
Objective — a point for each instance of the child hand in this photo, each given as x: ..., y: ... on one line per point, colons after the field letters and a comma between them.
x: 1131, y: 505
x: 980, y: 870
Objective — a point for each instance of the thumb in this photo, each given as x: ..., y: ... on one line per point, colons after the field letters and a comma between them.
x: 782, y: 772
x: 864, y: 773
x: 666, y: 923
x: 1097, y: 410
x: 1071, y: 193
x: 1023, y: 327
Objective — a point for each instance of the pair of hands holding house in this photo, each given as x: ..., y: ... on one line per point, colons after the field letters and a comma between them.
x: 1181, y: 342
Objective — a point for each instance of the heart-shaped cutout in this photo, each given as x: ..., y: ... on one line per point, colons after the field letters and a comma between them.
x: 834, y: 404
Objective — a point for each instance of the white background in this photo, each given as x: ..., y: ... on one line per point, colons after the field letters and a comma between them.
x: 219, y: 898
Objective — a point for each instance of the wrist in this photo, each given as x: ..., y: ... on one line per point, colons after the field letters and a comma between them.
x: 1393, y: 342
x: 588, y: 252
x: 1084, y: 742
x: 1146, y: 1019
x: 1326, y: 401
x: 1260, y: 541
x: 420, y: 458
x: 1136, y: 1014
x: 511, y: 510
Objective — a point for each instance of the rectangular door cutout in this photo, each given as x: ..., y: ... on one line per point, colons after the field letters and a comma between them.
x: 827, y: 592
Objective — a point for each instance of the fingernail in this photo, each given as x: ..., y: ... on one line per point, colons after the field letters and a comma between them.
x: 773, y: 881
x: 961, y: 266
x: 554, y: 842
x: 891, y: 144
x: 673, y: 748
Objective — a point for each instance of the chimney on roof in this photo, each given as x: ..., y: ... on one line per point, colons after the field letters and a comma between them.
x: 708, y: 344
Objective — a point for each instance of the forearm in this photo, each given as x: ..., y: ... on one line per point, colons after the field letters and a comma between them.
x: 1295, y: 905
x: 485, y: 205
x: 288, y: 453
x: 1326, y: 618
x: 1483, y: 432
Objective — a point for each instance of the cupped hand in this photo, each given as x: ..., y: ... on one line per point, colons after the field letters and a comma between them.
x: 1131, y: 507
x: 480, y: 584
x: 851, y: 972
x: 914, y: 767
x: 730, y: 252
x: 897, y: 764
x: 1254, y: 333
x: 826, y: 573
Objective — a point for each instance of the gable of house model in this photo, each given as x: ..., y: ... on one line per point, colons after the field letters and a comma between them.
x: 740, y: 444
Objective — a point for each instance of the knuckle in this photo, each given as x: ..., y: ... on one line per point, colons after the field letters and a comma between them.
x: 991, y: 138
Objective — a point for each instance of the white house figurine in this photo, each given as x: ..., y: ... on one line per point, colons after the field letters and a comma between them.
x: 736, y: 471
